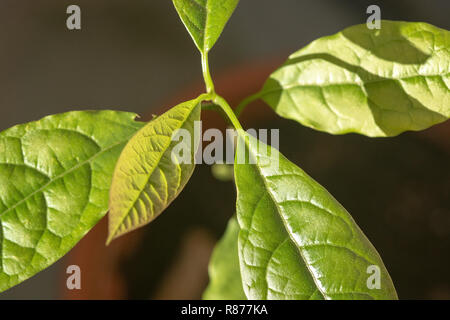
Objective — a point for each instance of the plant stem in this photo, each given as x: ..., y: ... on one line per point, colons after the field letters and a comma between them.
x: 228, y: 111
x: 241, y: 106
x: 211, y: 94
x: 206, y: 74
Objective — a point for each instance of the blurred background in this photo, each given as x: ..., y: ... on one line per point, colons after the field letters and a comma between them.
x: 136, y: 56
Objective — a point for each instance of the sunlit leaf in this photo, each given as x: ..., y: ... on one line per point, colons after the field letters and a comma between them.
x: 55, y: 175
x: 147, y: 177
x: 205, y: 19
x: 296, y: 241
x: 374, y: 82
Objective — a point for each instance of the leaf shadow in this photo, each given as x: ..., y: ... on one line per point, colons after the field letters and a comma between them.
x: 393, y: 109
x: 398, y: 49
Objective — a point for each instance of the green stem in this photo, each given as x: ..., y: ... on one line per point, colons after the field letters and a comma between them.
x: 211, y: 94
x: 214, y: 107
x: 228, y: 111
x: 206, y: 74
x: 241, y: 106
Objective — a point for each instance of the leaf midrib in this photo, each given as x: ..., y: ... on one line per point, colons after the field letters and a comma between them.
x: 79, y: 165
x: 150, y: 174
x: 315, y: 280
x: 205, y: 33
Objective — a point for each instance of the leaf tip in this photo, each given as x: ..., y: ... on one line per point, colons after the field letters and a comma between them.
x: 110, y: 238
x: 112, y: 235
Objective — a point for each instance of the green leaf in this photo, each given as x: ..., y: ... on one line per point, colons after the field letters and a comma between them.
x: 205, y: 19
x: 296, y: 241
x: 55, y: 175
x: 374, y: 82
x: 146, y: 179
x: 225, y: 276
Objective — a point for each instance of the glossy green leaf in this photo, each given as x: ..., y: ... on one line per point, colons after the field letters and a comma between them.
x: 55, y: 175
x: 148, y: 175
x: 224, y: 274
x: 205, y: 19
x: 296, y: 241
x: 374, y: 82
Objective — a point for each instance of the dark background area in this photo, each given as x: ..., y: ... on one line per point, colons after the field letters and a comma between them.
x: 136, y: 56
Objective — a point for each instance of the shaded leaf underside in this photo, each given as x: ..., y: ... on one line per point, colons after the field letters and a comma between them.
x: 225, y: 276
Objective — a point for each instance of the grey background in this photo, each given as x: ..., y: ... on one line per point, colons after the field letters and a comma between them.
x: 134, y: 55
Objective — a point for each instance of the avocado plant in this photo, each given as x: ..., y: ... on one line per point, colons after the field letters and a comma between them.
x: 290, y: 239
